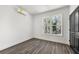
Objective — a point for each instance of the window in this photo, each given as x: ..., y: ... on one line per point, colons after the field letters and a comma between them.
x: 52, y: 24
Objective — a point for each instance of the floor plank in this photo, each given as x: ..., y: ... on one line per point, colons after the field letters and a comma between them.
x: 37, y: 46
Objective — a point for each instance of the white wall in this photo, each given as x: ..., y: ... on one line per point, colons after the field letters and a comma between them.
x: 38, y: 26
x: 14, y: 27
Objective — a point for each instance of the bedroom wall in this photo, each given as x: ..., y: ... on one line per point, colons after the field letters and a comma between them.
x: 38, y: 26
x: 14, y: 27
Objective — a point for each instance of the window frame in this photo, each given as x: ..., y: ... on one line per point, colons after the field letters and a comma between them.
x: 50, y: 25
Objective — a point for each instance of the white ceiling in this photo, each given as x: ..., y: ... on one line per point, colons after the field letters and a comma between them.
x: 35, y: 9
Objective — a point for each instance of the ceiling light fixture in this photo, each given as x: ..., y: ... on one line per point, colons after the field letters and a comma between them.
x: 21, y: 10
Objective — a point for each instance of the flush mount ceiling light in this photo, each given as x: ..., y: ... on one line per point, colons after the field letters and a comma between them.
x: 21, y: 10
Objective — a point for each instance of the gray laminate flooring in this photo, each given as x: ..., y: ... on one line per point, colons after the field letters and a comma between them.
x: 37, y: 46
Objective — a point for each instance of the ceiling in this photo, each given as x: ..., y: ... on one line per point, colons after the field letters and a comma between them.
x: 35, y: 9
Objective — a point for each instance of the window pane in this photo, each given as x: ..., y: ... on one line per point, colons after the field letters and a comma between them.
x: 45, y: 24
x: 54, y: 29
x: 48, y: 29
x: 58, y: 29
x: 48, y: 21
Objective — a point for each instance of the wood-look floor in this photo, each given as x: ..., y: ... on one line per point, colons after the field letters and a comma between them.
x: 36, y: 46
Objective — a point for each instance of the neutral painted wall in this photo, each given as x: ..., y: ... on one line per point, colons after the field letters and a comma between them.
x: 39, y: 29
x: 14, y: 27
